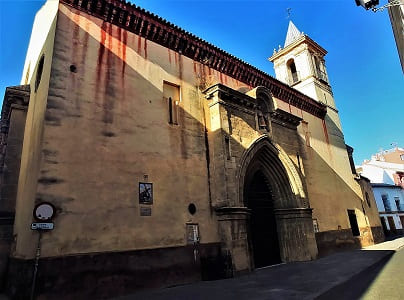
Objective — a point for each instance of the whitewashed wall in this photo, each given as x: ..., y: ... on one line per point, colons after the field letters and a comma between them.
x: 391, y: 192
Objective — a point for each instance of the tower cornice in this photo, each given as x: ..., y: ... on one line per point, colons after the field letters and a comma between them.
x: 303, y: 39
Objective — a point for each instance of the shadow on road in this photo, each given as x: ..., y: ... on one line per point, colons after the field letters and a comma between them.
x: 356, y: 286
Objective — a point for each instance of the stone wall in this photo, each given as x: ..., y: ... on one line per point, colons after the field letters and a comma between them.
x: 111, y: 274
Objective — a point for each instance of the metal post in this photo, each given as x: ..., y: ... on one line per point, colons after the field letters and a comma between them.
x: 37, y: 256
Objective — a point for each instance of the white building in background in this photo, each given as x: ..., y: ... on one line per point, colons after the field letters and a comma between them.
x: 385, y: 171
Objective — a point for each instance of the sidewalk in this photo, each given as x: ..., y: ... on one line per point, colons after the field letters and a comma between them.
x: 395, y: 245
x: 323, y: 279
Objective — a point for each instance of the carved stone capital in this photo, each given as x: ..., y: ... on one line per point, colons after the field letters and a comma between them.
x: 233, y: 213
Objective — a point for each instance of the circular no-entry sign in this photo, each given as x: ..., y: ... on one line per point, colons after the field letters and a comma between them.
x: 44, y: 211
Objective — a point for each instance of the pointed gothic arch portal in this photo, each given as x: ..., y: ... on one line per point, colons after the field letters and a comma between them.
x: 280, y: 225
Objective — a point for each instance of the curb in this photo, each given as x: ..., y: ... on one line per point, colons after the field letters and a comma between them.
x: 399, y: 248
x: 362, y: 279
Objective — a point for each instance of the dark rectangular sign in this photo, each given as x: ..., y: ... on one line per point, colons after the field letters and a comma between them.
x: 145, y: 211
x: 145, y: 193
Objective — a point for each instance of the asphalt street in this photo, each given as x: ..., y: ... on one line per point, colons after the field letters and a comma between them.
x: 375, y: 272
x: 324, y: 278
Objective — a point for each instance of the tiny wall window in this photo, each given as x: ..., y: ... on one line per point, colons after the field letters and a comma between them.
x: 367, y: 198
x: 354, y: 222
x: 39, y: 72
x: 402, y: 156
x: 227, y: 147
x: 386, y: 203
x: 171, y: 95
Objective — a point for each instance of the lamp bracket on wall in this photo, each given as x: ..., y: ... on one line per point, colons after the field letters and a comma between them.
x: 390, y: 4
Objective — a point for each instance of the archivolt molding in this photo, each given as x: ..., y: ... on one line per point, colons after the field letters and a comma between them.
x: 288, y: 181
x: 294, y: 177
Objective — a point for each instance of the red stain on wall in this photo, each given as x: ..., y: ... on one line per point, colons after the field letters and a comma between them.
x: 145, y: 48
x: 110, y: 91
x: 76, y: 18
x: 169, y: 55
x: 202, y: 72
x: 180, y: 66
x: 325, y: 132
x: 84, y: 50
x: 75, y: 35
x: 194, y: 67
x: 124, y: 43
x: 110, y: 36
x: 124, y: 108
x: 119, y: 37
x: 101, y: 51
x: 205, y: 73
x: 175, y: 58
x: 139, y: 45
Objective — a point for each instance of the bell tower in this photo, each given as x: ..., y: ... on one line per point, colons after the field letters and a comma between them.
x: 300, y: 64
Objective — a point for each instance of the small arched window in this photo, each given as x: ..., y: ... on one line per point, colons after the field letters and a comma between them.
x: 292, y: 72
x: 367, y: 198
x: 39, y: 72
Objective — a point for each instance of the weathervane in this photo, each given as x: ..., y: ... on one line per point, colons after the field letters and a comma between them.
x: 289, y: 12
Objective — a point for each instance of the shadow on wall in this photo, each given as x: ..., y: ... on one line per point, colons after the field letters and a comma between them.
x: 342, y: 237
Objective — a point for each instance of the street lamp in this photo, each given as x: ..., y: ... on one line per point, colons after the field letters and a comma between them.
x: 396, y: 13
x: 367, y: 3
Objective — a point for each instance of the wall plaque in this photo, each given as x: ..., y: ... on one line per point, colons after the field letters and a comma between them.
x: 145, y: 211
x: 145, y: 193
x: 192, y: 233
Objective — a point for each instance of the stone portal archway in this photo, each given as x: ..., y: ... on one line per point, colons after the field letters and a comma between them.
x: 280, y: 225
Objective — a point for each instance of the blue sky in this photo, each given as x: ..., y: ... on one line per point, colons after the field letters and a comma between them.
x: 362, y: 60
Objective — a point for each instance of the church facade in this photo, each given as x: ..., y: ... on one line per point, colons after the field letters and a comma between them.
x: 168, y: 160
